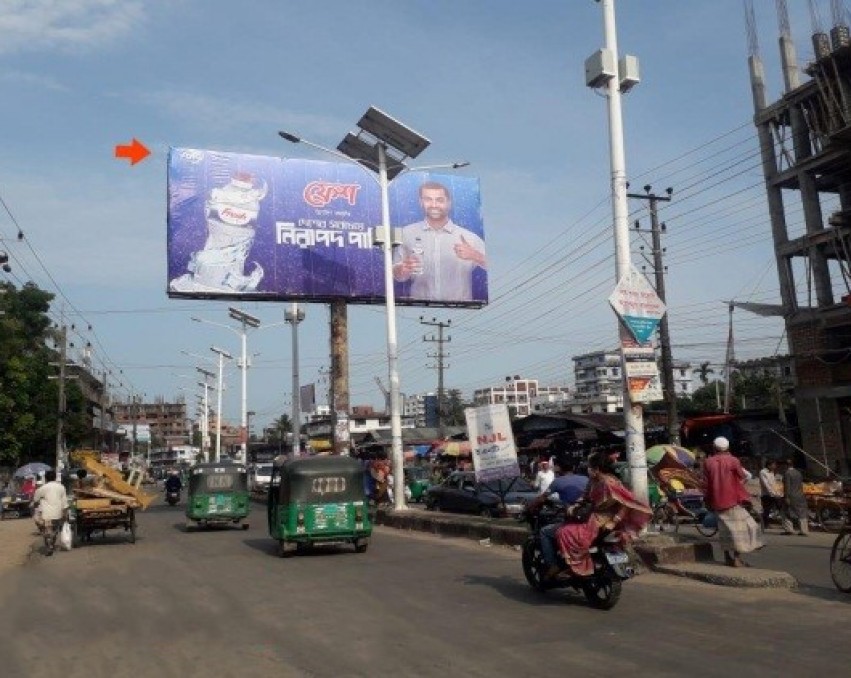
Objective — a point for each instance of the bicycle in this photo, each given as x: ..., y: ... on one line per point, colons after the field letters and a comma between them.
x: 667, y: 518
x: 840, y: 559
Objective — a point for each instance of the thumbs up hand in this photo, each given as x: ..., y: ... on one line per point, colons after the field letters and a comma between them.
x: 464, y: 250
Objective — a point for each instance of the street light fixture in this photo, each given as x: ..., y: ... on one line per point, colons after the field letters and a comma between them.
x: 380, y: 133
x: 222, y: 355
x: 246, y: 320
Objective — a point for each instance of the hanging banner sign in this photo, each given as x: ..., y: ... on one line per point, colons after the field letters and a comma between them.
x: 641, y: 370
x: 637, y: 305
x: 492, y: 442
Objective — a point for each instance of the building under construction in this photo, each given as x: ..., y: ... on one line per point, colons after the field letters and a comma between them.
x: 805, y: 143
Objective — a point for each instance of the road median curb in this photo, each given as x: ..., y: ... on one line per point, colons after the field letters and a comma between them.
x: 722, y: 575
x: 448, y: 525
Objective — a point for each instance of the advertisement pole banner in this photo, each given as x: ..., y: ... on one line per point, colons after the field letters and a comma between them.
x: 492, y: 442
x: 637, y: 305
x: 263, y: 228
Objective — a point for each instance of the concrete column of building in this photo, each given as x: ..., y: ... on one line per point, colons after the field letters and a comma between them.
x: 776, y: 211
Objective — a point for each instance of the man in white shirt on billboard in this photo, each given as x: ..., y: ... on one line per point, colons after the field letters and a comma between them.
x: 438, y: 256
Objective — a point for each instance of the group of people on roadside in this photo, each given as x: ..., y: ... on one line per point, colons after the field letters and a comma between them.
x: 611, y: 507
x: 786, y: 497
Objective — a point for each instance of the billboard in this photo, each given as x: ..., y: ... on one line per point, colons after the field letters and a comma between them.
x: 492, y: 442
x: 263, y: 228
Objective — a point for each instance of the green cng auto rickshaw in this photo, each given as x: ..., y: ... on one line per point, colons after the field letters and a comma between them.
x: 418, y: 481
x: 317, y: 500
x: 218, y: 495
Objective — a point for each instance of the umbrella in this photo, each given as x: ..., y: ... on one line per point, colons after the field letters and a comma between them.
x: 31, y: 469
x: 681, y: 454
x: 455, y: 448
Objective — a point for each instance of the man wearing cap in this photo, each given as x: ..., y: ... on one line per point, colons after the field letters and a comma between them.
x: 725, y: 494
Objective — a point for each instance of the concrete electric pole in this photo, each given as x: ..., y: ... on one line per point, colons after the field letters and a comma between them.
x: 668, y: 386
x: 440, y: 356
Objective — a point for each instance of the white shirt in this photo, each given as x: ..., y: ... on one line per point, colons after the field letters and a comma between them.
x: 544, y: 479
x: 768, y: 483
x: 444, y: 277
x: 52, y: 499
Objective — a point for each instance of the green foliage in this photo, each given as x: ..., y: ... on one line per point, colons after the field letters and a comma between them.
x: 279, y: 428
x: 453, y: 414
x: 28, y: 399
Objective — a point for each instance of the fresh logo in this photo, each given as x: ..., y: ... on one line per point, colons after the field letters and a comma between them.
x: 320, y: 193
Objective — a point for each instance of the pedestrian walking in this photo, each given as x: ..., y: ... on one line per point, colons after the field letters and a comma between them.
x: 725, y: 494
x: 794, y: 501
x: 52, y: 499
x: 770, y: 495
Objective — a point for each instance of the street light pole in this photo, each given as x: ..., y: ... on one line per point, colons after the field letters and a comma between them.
x: 294, y: 316
x: 246, y: 321
x: 222, y: 355
x: 364, y: 152
x: 392, y: 343
x: 633, y: 412
x: 205, y: 421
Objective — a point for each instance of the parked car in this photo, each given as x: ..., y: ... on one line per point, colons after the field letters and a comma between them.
x: 460, y: 493
x: 260, y: 477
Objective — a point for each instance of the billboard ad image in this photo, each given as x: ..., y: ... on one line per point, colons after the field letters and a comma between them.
x: 256, y: 227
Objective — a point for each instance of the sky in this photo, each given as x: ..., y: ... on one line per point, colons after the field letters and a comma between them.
x: 497, y: 83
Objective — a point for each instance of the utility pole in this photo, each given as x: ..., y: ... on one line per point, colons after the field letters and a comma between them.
x: 62, y: 364
x: 441, y: 366
x: 668, y: 386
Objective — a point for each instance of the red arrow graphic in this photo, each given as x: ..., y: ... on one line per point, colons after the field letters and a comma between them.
x: 136, y: 151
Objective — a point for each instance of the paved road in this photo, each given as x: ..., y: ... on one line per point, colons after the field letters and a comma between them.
x: 221, y: 604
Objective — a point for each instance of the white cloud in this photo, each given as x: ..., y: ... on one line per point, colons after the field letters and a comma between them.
x: 218, y: 114
x: 28, y: 25
x: 33, y: 80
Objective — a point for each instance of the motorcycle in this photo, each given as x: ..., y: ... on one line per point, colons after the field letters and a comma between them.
x: 172, y: 497
x: 612, y: 565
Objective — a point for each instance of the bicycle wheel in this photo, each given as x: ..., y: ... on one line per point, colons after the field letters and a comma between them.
x: 840, y: 561
x: 664, y: 519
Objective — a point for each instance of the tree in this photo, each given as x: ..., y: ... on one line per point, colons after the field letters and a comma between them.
x: 705, y: 399
x: 279, y: 428
x: 703, y: 373
x: 28, y: 399
x: 453, y: 414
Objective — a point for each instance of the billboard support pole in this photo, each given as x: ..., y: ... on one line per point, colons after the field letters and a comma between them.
x: 392, y: 346
x: 340, y: 374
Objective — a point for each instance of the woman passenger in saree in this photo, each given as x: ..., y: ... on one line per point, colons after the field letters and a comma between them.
x: 613, y: 508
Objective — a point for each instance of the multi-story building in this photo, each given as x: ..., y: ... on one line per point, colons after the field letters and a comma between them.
x: 599, y: 382
x: 167, y: 421
x: 517, y: 393
x: 422, y: 409
x: 683, y: 379
x: 551, y: 399
x: 781, y: 368
x: 805, y: 156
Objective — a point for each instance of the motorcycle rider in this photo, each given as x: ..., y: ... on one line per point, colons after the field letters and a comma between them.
x: 173, y: 482
x: 568, y: 487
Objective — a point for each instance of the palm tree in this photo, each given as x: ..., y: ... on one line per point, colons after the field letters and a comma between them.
x: 703, y: 372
